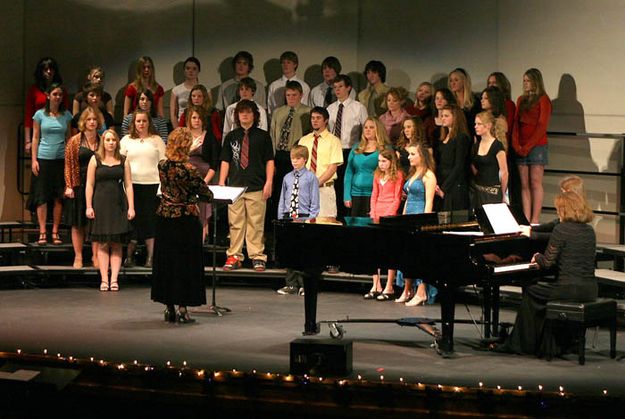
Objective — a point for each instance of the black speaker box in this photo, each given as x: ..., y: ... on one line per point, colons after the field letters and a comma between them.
x: 321, y: 357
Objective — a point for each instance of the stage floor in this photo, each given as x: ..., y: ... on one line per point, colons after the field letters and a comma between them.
x: 82, y: 322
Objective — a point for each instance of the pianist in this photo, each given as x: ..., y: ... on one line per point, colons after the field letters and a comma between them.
x: 571, y: 249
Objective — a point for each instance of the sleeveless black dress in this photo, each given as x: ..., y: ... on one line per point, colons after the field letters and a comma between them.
x: 110, y: 204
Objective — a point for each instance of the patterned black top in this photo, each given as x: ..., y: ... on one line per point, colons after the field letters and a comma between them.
x: 181, y: 186
x: 572, y: 249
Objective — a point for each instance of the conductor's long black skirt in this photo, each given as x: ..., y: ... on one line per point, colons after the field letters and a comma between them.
x: 178, y: 269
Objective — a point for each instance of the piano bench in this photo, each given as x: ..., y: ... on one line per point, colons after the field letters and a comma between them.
x: 581, y: 316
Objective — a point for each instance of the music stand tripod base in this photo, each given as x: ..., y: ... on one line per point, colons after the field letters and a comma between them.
x: 232, y: 195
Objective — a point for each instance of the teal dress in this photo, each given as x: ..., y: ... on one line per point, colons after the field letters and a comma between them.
x: 415, y: 204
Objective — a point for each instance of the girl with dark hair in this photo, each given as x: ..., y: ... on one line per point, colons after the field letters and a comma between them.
x: 143, y: 149
x: 92, y: 97
x: 95, y: 77
x: 412, y: 132
x: 500, y: 81
x: 442, y: 97
x: 180, y: 94
x: 144, y: 79
x: 529, y: 139
x: 200, y: 96
x: 146, y: 103
x: 46, y: 73
x: 51, y: 129
x: 452, y: 160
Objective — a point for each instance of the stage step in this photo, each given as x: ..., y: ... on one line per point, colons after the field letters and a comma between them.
x: 610, y: 277
x: 17, y: 270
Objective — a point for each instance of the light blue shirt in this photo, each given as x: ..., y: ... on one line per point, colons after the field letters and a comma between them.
x: 52, y: 134
x: 308, y: 195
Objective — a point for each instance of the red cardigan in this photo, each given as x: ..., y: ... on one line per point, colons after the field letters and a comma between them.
x: 530, y: 126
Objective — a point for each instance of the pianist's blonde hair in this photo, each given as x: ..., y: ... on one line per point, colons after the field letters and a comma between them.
x: 573, y: 183
x: 572, y: 207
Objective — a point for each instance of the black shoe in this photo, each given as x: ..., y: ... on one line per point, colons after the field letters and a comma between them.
x: 129, y: 262
x: 371, y: 295
x: 183, y: 317
x: 170, y: 315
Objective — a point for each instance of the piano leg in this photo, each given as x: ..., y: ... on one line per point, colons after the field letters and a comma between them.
x: 488, y: 298
x: 495, y: 324
x: 311, y: 289
x: 448, y: 309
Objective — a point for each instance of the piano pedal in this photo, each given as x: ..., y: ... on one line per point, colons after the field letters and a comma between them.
x: 504, y: 330
x: 336, y: 331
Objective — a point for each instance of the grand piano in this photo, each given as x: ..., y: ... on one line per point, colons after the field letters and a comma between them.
x: 444, y: 255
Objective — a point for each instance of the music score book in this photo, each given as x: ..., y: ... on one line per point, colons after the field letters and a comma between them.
x: 501, y: 219
x: 226, y: 194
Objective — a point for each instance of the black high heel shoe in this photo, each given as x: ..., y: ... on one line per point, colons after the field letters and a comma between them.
x: 170, y: 315
x: 182, y: 316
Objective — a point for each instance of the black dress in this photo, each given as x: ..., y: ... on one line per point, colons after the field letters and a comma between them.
x: 571, y: 249
x: 487, y: 186
x: 110, y: 204
x: 451, y: 173
x: 74, y: 208
x: 178, y: 270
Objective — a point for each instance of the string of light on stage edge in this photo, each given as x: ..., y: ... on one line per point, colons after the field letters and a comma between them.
x: 224, y: 375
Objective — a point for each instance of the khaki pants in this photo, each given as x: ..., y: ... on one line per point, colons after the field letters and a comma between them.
x: 327, y: 201
x: 247, y: 221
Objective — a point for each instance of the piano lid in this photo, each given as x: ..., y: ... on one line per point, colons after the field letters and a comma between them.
x: 430, y: 221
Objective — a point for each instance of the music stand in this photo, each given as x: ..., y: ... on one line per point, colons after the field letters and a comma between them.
x: 222, y: 195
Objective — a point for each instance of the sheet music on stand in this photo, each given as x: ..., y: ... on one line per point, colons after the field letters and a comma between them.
x: 501, y: 219
x: 226, y: 194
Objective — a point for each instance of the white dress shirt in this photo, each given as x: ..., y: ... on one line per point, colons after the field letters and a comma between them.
x: 352, y: 120
x: 318, y: 95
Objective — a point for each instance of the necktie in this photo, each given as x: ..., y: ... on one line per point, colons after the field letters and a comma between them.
x: 329, y: 97
x: 286, y: 130
x: 245, y: 151
x: 339, y: 120
x: 294, y: 197
x: 371, y: 102
x: 313, y: 158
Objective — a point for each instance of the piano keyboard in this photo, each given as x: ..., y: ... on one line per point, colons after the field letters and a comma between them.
x: 514, y: 267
